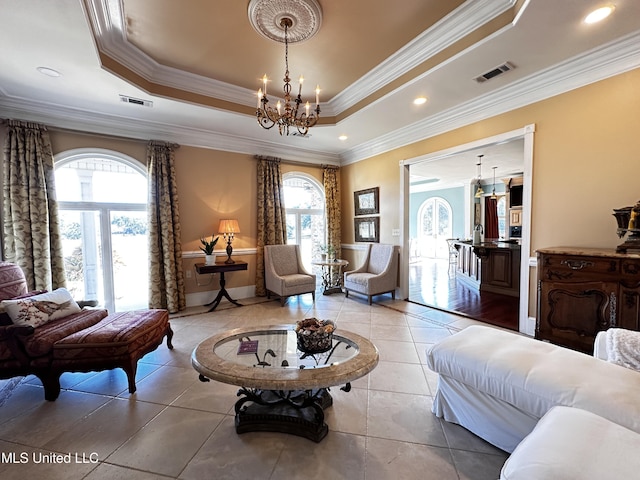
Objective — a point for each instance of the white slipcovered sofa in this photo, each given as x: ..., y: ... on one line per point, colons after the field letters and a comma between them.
x: 499, y: 384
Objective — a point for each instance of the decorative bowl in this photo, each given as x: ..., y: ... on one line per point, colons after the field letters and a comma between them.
x: 314, y: 336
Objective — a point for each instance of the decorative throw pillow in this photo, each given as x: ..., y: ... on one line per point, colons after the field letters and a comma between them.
x: 5, y: 319
x: 40, y: 309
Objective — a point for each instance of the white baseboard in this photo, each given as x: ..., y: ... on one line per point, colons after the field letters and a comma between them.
x: 237, y: 293
x: 531, y: 326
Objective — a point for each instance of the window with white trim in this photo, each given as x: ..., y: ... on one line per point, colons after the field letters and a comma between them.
x: 304, y: 205
x: 102, y: 202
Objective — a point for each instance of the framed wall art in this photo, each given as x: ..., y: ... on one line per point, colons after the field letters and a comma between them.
x: 367, y: 229
x: 366, y: 202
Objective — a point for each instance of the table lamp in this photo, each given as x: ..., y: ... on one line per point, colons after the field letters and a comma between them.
x: 228, y: 229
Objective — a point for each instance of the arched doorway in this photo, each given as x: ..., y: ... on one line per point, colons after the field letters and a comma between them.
x: 102, y: 201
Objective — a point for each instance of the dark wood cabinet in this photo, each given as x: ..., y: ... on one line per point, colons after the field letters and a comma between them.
x: 584, y: 291
x: 489, y: 266
x: 468, y: 267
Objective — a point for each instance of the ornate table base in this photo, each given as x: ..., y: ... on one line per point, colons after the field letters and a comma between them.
x: 331, y: 275
x: 297, y: 412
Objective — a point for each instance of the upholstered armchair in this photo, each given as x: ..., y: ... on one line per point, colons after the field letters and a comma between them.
x: 285, y: 274
x: 378, y: 273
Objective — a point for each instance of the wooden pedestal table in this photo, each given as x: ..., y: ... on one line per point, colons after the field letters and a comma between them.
x: 221, y: 268
x: 283, y: 389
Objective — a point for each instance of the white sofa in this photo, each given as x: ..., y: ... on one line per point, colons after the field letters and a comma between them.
x: 572, y: 444
x: 499, y: 384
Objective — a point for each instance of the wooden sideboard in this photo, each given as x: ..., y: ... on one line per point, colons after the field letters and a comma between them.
x: 582, y: 291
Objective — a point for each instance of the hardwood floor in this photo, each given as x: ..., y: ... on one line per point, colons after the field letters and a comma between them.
x: 431, y: 283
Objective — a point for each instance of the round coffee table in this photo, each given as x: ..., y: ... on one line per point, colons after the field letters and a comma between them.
x: 283, y: 389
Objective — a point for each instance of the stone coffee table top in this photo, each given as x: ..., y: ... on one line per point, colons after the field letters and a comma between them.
x: 278, y: 364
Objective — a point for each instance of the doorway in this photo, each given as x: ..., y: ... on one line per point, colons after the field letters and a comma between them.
x: 449, y: 165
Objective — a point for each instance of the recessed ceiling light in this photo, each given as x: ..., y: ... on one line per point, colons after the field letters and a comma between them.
x: 342, y: 137
x: 420, y: 100
x: 50, y: 72
x: 599, y: 14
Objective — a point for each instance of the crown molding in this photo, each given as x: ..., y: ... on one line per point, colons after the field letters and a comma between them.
x: 598, y: 64
x: 457, y: 25
x: 108, y: 22
x: 57, y: 116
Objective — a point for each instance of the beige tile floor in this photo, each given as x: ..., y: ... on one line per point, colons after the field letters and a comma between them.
x: 175, y: 426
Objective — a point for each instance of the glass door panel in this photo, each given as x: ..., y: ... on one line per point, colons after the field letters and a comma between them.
x: 292, y: 228
x: 306, y: 241
x: 130, y: 255
x: 81, y: 248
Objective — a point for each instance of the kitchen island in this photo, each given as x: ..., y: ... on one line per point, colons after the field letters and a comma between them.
x: 491, y: 266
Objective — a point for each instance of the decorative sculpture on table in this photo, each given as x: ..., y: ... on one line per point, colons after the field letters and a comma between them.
x: 628, y: 219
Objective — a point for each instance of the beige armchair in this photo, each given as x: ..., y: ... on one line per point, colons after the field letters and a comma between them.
x: 378, y: 274
x: 284, y: 273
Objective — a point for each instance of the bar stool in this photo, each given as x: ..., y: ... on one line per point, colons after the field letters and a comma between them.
x: 453, y: 255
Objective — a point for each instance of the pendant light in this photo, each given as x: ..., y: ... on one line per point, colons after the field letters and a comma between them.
x: 479, y: 191
x: 493, y: 194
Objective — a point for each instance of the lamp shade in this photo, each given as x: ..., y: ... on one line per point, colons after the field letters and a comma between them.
x: 228, y: 226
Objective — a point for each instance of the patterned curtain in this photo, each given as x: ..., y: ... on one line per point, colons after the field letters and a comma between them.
x: 332, y: 208
x: 272, y: 219
x: 166, y: 278
x: 31, y: 225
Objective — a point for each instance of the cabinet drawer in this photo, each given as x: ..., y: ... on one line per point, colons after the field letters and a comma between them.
x: 559, y: 267
x: 631, y: 269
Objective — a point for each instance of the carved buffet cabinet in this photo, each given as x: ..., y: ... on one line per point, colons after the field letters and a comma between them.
x: 582, y: 291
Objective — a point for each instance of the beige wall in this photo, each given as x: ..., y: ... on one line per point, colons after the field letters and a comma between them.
x: 586, y: 163
x: 212, y: 185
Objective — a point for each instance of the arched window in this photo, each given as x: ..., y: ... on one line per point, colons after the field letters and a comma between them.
x: 102, y: 201
x: 435, y: 223
x: 304, y: 204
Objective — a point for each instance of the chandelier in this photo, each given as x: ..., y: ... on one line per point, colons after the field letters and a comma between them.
x: 287, y: 115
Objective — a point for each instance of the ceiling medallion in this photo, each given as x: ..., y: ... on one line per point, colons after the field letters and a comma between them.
x: 286, y: 21
x: 266, y: 18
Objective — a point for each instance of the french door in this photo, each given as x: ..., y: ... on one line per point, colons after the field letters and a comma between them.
x: 435, y: 226
x: 102, y: 204
x: 99, y: 235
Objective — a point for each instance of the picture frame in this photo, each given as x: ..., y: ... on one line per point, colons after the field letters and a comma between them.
x: 366, y: 202
x: 367, y: 229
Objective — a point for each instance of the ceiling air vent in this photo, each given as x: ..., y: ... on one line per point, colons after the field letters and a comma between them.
x: 505, y: 67
x: 136, y: 101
